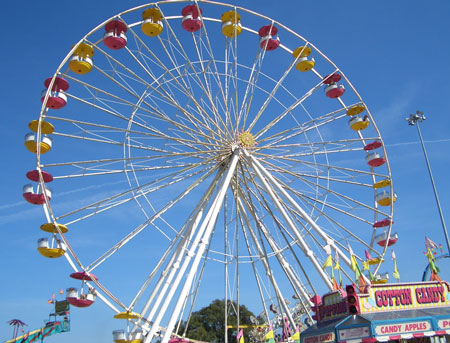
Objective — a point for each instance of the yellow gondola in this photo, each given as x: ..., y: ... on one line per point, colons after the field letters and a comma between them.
x: 358, y: 123
x: 152, y: 25
x: 32, y: 146
x: 81, y: 60
x: 302, y: 53
x: 384, y: 198
x: 231, y: 24
x: 51, y: 252
x: 48, y: 252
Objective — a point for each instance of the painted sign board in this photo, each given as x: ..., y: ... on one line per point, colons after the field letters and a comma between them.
x: 333, y: 311
x: 357, y: 332
x: 333, y: 306
x: 402, y: 328
x: 444, y: 324
x: 408, y: 296
x: 322, y: 338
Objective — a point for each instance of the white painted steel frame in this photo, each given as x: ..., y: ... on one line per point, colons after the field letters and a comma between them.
x: 204, y: 140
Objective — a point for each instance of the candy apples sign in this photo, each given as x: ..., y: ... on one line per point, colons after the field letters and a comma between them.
x: 397, y: 329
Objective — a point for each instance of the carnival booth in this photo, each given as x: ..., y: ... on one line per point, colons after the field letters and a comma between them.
x: 412, y: 312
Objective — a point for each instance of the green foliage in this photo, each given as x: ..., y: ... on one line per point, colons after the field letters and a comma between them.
x: 208, y: 324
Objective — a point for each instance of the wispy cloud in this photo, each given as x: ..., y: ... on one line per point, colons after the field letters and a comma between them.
x: 20, y: 213
x: 392, y: 114
x: 12, y: 205
x: 417, y: 142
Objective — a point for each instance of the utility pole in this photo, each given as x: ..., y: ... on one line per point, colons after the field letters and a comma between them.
x: 415, y: 119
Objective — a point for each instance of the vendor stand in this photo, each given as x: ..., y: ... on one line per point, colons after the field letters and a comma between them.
x: 413, y: 312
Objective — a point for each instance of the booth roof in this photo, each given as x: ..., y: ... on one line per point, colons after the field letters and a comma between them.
x: 353, y: 321
x: 321, y: 327
x: 366, y: 318
x: 406, y: 314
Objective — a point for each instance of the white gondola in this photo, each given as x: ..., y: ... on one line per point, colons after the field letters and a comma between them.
x: 120, y: 336
x: 334, y: 90
x: 374, y: 159
x: 382, y: 238
x: 36, y: 198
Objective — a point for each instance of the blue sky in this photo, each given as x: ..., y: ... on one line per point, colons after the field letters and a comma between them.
x: 395, y: 54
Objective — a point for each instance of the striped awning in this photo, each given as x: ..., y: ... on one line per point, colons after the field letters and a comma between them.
x: 398, y: 337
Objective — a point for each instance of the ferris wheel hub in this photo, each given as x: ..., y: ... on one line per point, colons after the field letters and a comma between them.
x: 246, y: 139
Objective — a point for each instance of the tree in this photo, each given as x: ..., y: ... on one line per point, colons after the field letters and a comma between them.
x: 208, y: 324
x: 17, y: 324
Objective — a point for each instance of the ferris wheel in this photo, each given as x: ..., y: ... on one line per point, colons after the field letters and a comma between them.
x: 199, y: 148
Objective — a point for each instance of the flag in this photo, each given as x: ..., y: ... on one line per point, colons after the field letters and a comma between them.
x: 432, y: 261
x: 296, y: 336
x: 335, y: 284
x: 435, y: 277
x: 333, y: 279
x: 359, y: 277
x: 354, y: 264
x: 366, y: 265
x: 269, y: 338
x: 337, y: 266
x: 362, y: 284
x: 371, y: 276
x: 352, y: 258
x: 240, y: 336
x: 395, y: 274
x: 357, y: 270
x: 430, y: 244
x: 52, y: 299
x: 328, y: 262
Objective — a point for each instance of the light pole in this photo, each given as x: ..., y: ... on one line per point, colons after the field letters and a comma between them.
x: 415, y: 119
